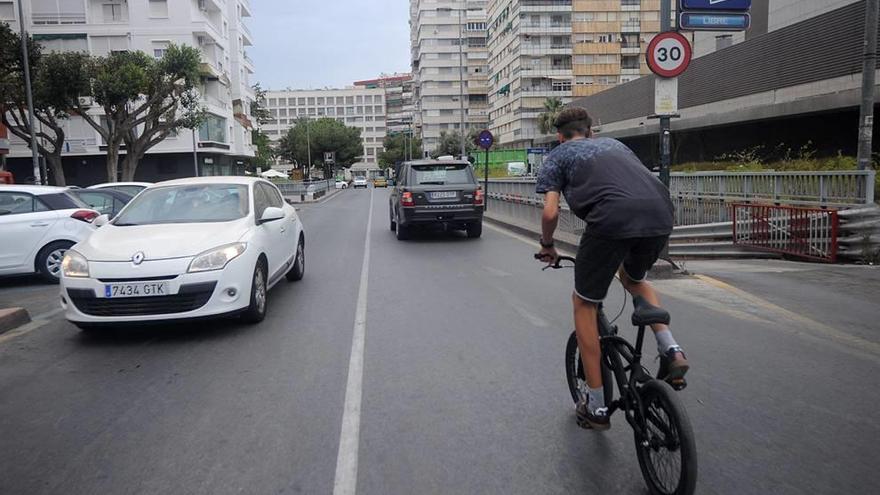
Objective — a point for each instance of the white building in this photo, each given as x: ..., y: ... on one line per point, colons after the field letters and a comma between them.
x: 359, y: 107
x: 222, y: 145
x: 448, y: 45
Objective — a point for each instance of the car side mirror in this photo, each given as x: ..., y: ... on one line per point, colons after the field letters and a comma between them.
x: 101, y: 220
x: 271, y: 214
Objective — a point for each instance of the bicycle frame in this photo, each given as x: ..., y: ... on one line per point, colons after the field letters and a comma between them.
x: 615, y: 351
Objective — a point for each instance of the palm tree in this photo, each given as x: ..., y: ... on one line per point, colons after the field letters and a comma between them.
x: 552, y: 107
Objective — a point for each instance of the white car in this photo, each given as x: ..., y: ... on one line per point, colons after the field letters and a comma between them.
x: 132, y: 188
x: 187, y: 248
x: 37, y: 226
x: 359, y: 182
x: 341, y: 184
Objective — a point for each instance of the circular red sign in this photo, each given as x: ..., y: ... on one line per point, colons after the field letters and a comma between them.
x: 669, y: 54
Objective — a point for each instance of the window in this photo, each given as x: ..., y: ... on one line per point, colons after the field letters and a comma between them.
x: 629, y: 62
x: 360, y: 99
x: 48, y: 12
x: 191, y: 203
x: 340, y: 100
x: 105, y: 45
x: 311, y: 100
x: 12, y: 203
x: 273, y: 102
x: 7, y: 11
x: 63, y: 43
x: 114, y: 12
x: 301, y: 101
x: 159, y: 48
x: 213, y: 129
x: 561, y: 86
x: 320, y: 100
x: 158, y: 8
x: 271, y: 195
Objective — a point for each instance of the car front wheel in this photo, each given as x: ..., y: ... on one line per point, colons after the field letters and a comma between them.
x: 298, y: 270
x: 49, y: 258
x: 256, y: 311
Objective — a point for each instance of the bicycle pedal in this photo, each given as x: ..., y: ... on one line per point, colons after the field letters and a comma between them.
x: 678, y: 385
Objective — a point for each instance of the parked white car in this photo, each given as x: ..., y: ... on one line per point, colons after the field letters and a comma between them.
x: 132, y: 188
x: 37, y: 226
x: 341, y: 184
x: 187, y: 248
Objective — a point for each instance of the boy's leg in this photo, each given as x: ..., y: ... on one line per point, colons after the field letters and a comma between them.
x: 633, y: 274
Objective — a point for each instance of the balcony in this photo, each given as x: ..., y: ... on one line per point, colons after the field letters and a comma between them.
x: 246, y: 10
x: 546, y: 70
x: 247, y: 63
x: 630, y: 27
x: 546, y: 49
x: 58, y: 18
x: 545, y: 6
x: 246, y: 37
x: 545, y: 91
x: 545, y: 27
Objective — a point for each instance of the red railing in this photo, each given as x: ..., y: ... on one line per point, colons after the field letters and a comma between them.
x: 804, y: 232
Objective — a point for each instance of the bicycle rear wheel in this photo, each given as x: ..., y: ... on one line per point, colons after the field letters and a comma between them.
x: 574, y: 372
x: 668, y: 456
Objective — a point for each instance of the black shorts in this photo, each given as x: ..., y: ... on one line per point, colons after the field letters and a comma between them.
x: 598, y: 259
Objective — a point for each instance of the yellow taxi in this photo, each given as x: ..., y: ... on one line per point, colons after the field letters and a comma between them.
x: 380, y: 182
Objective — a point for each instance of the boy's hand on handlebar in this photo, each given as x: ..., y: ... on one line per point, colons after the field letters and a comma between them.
x: 547, y: 255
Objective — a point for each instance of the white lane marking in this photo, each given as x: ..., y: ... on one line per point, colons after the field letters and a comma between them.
x: 349, y: 437
x: 38, y: 321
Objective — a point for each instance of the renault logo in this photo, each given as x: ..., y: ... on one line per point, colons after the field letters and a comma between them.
x: 137, y: 258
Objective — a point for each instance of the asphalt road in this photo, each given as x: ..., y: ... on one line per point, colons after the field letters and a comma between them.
x: 462, y: 384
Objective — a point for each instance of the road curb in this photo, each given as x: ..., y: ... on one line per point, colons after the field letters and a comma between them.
x: 12, y: 318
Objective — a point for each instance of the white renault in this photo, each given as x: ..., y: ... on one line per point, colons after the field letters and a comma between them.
x: 188, y: 248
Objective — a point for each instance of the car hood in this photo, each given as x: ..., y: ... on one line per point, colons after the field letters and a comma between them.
x: 163, y: 241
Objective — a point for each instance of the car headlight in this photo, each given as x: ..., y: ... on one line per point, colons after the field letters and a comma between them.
x: 74, y: 265
x: 217, y: 258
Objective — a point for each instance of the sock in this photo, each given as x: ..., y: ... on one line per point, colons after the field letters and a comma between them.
x: 597, y: 399
x: 664, y: 341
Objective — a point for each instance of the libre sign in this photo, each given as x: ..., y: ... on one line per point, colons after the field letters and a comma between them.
x: 722, y: 21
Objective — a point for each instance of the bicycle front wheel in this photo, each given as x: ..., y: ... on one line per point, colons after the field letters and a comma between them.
x: 668, y: 455
x: 574, y: 372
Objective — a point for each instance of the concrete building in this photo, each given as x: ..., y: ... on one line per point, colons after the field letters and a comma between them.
x: 399, y: 104
x: 449, y: 63
x: 530, y: 61
x: 217, y: 27
x: 609, y: 42
x: 355, y: 107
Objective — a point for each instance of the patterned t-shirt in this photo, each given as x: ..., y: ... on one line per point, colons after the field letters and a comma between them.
x: 607, y: 186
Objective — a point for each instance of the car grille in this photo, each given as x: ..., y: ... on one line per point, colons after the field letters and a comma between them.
x: 190, y: 297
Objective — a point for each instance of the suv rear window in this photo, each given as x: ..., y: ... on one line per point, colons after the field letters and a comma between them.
x: 439, y: 174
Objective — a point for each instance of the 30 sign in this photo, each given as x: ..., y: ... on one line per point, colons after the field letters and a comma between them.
x: 669, y: 54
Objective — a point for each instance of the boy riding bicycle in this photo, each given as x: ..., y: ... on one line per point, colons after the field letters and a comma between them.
x: 629, y: 218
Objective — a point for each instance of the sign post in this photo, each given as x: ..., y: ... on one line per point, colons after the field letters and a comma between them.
x: 485, y: 141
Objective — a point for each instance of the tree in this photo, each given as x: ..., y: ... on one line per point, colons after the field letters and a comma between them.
x: 259, y: 111
x: 266, y: 153
x: 450, y: 144
x: 143, y: 101
x: 552, y: 107
x: 57, y: 78
x: 326, y: 135
x: 396, y: 148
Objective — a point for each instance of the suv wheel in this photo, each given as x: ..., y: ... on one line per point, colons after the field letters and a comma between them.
x: 475, y: 230
x: 402, y: 232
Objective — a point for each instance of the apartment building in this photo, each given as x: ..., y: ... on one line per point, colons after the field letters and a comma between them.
x: 355, y: 107
x: 530, y: 61
x: 217, y: 27
x: 399, y: 103
x: 449, y: 64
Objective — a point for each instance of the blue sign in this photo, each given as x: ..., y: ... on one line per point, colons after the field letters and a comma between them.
x: 736, y: 5
x: 697, y: 21
x: 536, y: 151
x: 485, y: 140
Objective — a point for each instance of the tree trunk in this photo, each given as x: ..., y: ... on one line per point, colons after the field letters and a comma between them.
x: 112, y: 162
x: 129, y: 165
x: 55, y: 165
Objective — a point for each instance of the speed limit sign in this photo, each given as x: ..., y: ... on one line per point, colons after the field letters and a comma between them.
x: 669, y: 54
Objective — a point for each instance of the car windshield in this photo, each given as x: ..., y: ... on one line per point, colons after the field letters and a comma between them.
x: 191, y: 203
x: 133, y: 190
x: 442, y: 174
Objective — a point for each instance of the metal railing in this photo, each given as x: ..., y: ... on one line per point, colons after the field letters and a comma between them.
x: 809, y: 233
x: 298, y: 188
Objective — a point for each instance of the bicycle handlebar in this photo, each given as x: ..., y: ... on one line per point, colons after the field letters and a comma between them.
x: 555, y: 265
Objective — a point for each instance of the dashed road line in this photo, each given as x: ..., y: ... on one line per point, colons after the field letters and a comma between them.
x: 345, y: 482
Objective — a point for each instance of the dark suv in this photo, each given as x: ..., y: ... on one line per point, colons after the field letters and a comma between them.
x: 431, y: 192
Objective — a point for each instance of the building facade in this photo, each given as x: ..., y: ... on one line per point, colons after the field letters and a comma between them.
x: 359, y: 107
x: 399, y: 103
x: 530, y: 61
x: 216, y: 27
x: 449, y: 64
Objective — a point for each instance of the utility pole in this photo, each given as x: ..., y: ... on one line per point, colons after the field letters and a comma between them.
x: 869, y: 68
x: 195, y: 154
x: 461, y: 86
x: 29, y: 93
x: 308, y: 173
x: 665, y: 121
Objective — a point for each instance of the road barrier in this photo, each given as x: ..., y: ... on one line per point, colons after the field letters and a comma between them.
x: 703, y: 209
x: 803, y: 232
x: 302, y: 189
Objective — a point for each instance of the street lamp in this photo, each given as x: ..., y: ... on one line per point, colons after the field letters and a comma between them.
x: 461, y: 86
x: 29, y: 92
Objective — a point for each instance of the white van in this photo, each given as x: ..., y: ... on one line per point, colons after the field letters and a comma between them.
x: 516, y: 169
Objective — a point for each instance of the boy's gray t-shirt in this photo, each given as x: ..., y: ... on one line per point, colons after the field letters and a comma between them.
x: 607, y: 186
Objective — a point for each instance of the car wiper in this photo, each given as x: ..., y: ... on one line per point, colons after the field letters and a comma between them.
x: 435, y: 183
x: 125, y: 224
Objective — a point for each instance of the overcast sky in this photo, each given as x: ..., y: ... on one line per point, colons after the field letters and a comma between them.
x: 317, y: 43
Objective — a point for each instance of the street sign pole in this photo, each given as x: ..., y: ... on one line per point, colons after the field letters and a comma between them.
x: 485, y: 140
x: 866, y: 117
x: 665, y: 120
x: 29, y: 93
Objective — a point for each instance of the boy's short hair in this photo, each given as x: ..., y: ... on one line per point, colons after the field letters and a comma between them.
x: 573, y: 121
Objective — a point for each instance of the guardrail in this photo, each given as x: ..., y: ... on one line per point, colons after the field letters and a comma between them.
x: 299, y: 188
x: 802, y: 232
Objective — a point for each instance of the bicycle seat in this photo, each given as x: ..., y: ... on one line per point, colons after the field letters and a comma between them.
x: 646, y: 314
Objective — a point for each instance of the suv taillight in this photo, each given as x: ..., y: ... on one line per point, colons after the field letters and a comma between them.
x: 406, y: 199
x: 87, y: 216
x: 478, y: 197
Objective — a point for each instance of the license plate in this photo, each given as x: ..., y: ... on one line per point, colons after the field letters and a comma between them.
x: 444, y: 195
x: 136, y: 289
